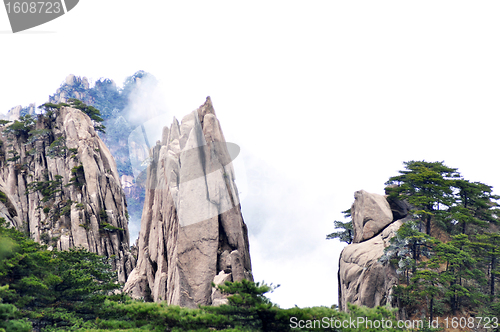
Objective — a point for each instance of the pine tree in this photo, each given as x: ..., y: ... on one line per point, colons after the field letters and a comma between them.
x: 52, y: 287
x: 463, y: 268
x: 427, y: 186
x: 345, y: 233
x: 93, y: 113
x: 408, y: 245
x: 456, y: 259
x: 488, y: 249
x: 475, y: 205
x: 425, y: 284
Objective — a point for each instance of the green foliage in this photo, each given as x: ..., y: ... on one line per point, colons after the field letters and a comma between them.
x: 52, y: 106
x: 93, y: 113
x: 247, y: 294
x: 409, y: 245
x: 22, y: 126
x: 426, y: 186
x: 103, y: 215
x: 108, y: 227
x: 104, y: 225
x: 65, y: 208
x: 49, y: 189
x: 57, y: 148
x: 9, y: 319
x: 458, y: 271
x: 15, y: 155
x: 51, y: 110
x: 78, y: 178
x: 345, y: 233
x: 77, y: 169
x: 3, y: 197
x: 38, y: 134
x: 475, y: 205
x: 51, y: 287
x: 72, y: 291
x: 254, y: 313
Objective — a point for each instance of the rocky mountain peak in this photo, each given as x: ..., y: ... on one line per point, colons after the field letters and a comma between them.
x: 192, y: 231
x: 59, y: 183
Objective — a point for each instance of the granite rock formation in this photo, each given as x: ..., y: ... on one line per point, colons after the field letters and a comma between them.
x: 192, y: 231
x: 370, y: 214
x: 59, y: 183
x: 124, y: 111
x: 363, y: 280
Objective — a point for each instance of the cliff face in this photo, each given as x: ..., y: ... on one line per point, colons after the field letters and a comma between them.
x: 192, y: 231
x: 363, y: 280
x: 123, y: 111
x: 59, y: 183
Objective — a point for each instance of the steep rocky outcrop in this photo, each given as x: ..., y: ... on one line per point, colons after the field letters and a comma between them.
x: 370, y: 214
x: 363, y: 280
x: 124, y: 110
x: 192, y: 231
x: 59, y: 183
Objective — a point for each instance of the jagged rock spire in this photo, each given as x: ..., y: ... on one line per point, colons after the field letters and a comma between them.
x: 192, y: 231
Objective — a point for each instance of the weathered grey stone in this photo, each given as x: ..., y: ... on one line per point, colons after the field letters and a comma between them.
x: 224, y: 263
x: 237, y: 268
x: 14, y: 113
x: 70, y: 79
x: 370, y: 214
x: 94, y: 205
x: 363, y: 280
x: 217, y: 297
x: 219, y: 302
x: 191, y: 227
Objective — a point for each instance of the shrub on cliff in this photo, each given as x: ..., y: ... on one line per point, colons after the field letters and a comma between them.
x: 22, y: 126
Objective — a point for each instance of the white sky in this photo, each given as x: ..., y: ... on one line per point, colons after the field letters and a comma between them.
x: 324, y: 98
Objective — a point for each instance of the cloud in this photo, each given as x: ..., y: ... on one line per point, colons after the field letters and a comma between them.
x: 287, y: 229
x: 146, y: 102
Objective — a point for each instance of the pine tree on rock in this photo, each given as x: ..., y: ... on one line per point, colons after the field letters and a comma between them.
x: 427, y: 186
x: 345, y: 232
